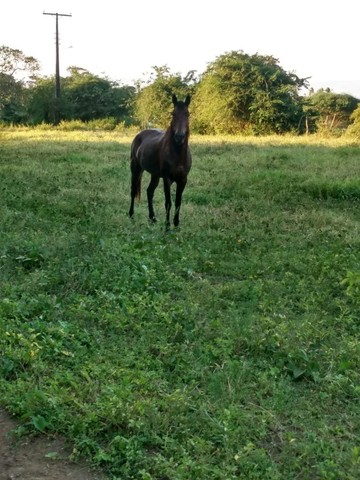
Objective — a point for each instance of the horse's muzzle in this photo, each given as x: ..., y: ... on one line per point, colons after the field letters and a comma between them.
x: 179, y: 138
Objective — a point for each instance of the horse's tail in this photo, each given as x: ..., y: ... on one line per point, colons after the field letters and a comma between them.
x: 138, y: 188
x: 136, y: 172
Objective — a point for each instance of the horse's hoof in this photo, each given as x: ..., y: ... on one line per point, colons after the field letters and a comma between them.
x: 153, y: 220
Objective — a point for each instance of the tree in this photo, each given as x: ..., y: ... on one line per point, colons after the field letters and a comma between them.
x: 354, y: 128
x: 11, y: 98
x: 123, y: 103
x: 85, y: 97
x: 88, y: 94
x: 92, y: 97
x: 16, y: 74
x: 331, y: 110
x: 241, y: 92
x: 13, y: 61
x: 153, y: 101
x: 42, y: 102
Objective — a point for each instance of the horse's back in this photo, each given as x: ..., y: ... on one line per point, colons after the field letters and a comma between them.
x: 145, y: 150
x: 148, y: 136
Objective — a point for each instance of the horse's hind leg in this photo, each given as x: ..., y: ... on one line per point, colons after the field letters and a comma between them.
x: 150, y: 195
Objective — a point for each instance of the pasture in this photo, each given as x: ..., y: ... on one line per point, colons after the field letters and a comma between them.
x: 227, y: 349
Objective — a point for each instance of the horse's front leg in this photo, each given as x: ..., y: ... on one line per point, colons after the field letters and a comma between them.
x: 150, y: 195
x: 167, y: 191
x: 179, y: 191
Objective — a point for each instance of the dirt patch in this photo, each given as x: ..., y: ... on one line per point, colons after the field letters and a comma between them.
x: 41, y: 458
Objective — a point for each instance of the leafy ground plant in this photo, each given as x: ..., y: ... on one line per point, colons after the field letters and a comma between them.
x: 228, y: 349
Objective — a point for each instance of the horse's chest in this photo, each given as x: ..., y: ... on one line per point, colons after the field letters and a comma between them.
x: 174, y: 171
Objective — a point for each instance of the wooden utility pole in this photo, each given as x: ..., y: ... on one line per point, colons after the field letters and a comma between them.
x: 57, y: 67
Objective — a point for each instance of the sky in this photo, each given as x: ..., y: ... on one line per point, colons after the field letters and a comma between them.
x: 123, y: 40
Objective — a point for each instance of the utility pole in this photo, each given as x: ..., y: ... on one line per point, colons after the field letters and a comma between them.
x: 57, y: 66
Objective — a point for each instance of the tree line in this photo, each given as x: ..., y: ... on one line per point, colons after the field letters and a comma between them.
x: 237, y: 93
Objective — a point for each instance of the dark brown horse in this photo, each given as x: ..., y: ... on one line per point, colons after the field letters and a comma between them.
x: 164, y: 154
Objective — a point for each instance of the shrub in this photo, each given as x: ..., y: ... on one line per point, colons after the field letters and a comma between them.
x: 353, y: 130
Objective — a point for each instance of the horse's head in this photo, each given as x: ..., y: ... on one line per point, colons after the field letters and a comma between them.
x: 180, y: 120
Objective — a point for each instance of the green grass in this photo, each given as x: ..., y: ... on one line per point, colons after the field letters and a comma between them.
x: 228, y: 349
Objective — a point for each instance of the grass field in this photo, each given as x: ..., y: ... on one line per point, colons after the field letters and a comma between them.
x: 228, y: 349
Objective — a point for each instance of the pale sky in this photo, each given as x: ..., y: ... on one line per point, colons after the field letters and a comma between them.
x: 124, y: 39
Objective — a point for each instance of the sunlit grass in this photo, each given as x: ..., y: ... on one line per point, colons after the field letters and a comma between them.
x: 125, y: 135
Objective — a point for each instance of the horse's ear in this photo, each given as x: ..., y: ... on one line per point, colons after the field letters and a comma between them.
x: 174, y: 99
x: 187, y: 100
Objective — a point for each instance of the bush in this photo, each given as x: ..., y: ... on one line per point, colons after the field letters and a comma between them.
x: 99, y: 124
x: 108, y: 123
x: 353, y: 130
x: 69, y: 125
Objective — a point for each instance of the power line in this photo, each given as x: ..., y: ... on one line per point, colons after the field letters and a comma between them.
x: 57, y: 65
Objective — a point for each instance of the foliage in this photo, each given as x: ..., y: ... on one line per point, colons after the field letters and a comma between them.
x: 42, y: 101
x: 12, y: 99
x: 12, y: 87
x: 92, y: 97
x: 330, y: 110
x: 13, y: 61
x: 353, y: 129
x: 247, y: 92
x: 153, y: 101
x: 228, y: 349
x: 251, y: 94
x: 84, y: 97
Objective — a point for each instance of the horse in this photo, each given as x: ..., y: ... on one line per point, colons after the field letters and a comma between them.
x: 164, y: 154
